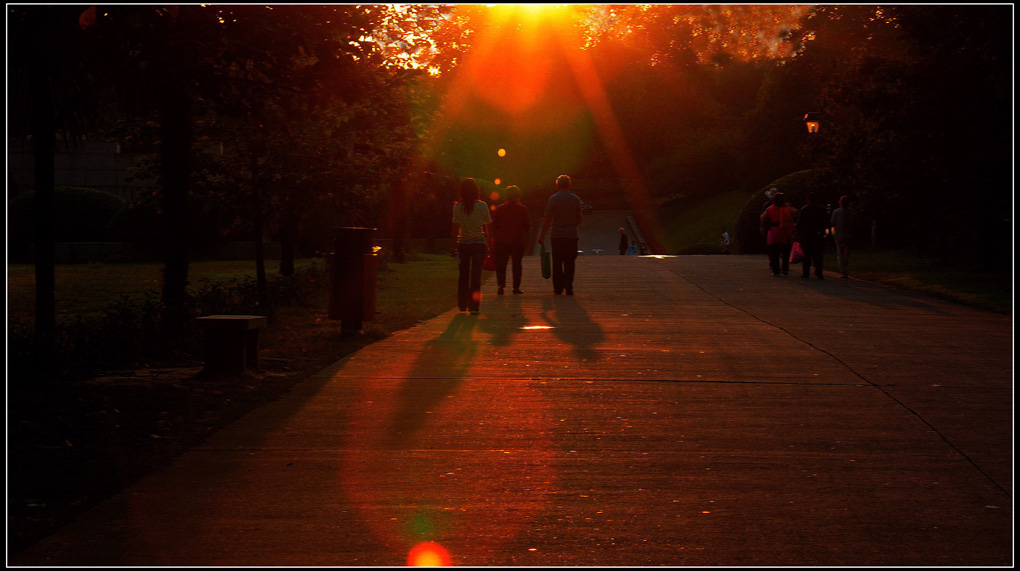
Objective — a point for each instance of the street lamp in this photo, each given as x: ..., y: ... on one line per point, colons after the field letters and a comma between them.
x: 811, y: 120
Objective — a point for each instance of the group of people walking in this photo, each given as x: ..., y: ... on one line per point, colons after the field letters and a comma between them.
x: 505, y: 232
x: 782, y: 225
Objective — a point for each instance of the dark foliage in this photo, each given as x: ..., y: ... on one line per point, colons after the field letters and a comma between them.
x: 79, y: 215
x: 131, y: 333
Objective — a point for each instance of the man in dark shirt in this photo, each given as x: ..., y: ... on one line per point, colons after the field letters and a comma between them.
x: 510, y: 224
x: 811, y: 227
x: 562, y: 216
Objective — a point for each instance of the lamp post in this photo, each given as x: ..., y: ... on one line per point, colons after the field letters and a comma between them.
x: 811, y: 120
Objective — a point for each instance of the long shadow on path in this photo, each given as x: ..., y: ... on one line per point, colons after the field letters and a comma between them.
x: 436, y: 373
x: 573, y: 325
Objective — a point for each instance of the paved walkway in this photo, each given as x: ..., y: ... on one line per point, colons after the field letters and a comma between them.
x: 676, y: 411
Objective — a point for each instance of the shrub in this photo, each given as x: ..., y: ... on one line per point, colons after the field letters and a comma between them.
x: 79, y: 215
x: 132, y: 333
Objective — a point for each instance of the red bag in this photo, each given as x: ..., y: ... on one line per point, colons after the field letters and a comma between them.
x: 796, y: 253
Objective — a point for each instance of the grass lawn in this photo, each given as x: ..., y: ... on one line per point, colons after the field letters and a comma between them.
x: 87, y: 289
x: 697, y: 228
x: 992, y: 291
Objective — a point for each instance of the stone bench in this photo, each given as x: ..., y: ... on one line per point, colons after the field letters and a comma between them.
x: 231, y: 341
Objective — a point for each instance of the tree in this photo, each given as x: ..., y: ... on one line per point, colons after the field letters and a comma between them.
x: 48, y: 73
x: 309, y: 104
x: 160, y: 60
x: 915, y: 119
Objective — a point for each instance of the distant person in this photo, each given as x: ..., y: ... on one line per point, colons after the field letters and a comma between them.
x: 779, y: 223
x: 471, y: 227
x: 768, y: 202
x: 812, y: 225
x: 843, y: 220
x: 632, y: 250
x: 510, y: 224
x: 724, y: 242
x: 623, y: 242
x: 643, y: 248
x: 562, y: 216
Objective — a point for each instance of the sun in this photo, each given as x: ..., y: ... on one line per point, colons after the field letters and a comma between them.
x: 530, y: 15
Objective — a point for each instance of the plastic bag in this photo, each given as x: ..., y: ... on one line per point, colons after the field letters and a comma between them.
x: 796, y: 253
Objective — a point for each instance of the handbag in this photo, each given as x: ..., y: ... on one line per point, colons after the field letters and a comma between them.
x: 546, y: 257
x: 489, y: 264
x: 796, y: 253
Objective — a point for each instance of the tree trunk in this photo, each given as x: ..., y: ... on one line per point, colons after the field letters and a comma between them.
x: 43, y: 148
x: 260, y: 253
x: 176, y: 142
x: 288, y: 238
x: 399, y: 218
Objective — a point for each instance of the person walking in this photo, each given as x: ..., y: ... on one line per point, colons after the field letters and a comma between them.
x: 623, y: 242
x: 842, y: 230
x: 510, y: 224
x: 812, y: 225
x: 779, y: 221
x: 470, y: 227
x: 724, y: 242
x: 562, y: 216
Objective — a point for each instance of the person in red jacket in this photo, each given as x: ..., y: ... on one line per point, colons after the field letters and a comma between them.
x: 779, y: 221
x: 510, y: 225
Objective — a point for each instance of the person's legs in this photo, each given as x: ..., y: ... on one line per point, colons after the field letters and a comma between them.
x: 842, y: 253
x: 561, y: 251
x: 569, y: 266
x: 503, y: 252
x: 517, y: 255
x: 463, y: 275
x: 817, y: 257
x: 477, y: 258
x: 785, y: 258
x: 557, y: 274
x: 565, y: 250
x: 811, y: 257
x: 774, y: 250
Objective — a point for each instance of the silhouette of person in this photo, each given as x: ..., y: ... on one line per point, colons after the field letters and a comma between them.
x: 623, y: 242
x: 842, y: 230
x: 780, y: 224
x: 510, y: 224
x: 470, y: 226
x: 812, y: 225
x: 562, y: 216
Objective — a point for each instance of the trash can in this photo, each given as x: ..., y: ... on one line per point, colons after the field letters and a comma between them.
x: 352, y: 277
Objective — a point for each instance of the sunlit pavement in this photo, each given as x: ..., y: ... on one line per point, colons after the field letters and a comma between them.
x: 675, y: 411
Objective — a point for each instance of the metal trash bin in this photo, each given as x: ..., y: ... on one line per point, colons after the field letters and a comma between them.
x: 352, y: 277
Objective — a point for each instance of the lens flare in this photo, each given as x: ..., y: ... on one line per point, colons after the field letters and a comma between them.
x: 501, y: 152
x: 428, y: 554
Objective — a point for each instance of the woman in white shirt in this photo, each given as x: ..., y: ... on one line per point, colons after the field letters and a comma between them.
x: 471, y: 227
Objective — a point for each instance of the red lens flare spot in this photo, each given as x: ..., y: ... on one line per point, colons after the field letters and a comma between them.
x: 428, y: 554
x: 498, y: 181
x: 494, y: 196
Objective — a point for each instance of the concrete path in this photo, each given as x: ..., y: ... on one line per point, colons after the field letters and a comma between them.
x: 688, y: 411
